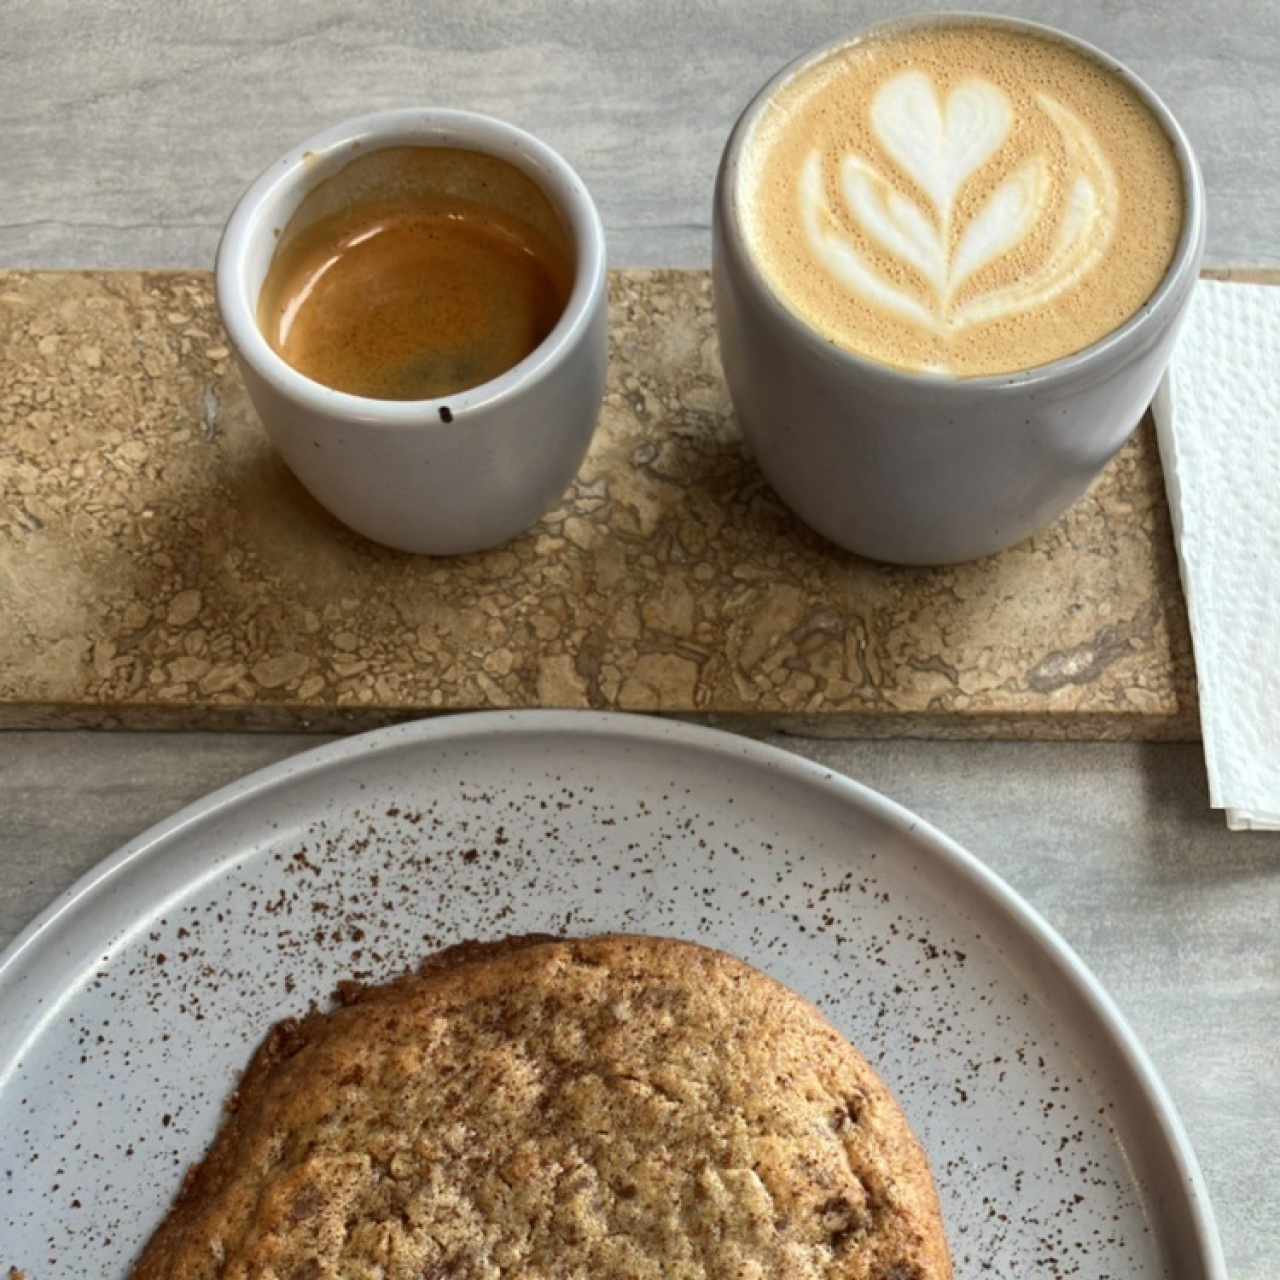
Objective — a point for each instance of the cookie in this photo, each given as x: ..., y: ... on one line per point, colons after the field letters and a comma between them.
x: 618, y: 1106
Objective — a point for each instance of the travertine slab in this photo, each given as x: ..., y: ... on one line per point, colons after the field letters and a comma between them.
x: 160, y: 567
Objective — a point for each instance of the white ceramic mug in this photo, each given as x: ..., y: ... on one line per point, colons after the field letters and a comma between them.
x: 461, y: 472
x: 909, y: 467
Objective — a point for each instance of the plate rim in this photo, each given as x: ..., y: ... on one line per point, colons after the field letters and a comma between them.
x: 651, y: 730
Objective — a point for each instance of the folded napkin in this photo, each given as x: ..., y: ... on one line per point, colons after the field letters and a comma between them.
x: 1218, y: 420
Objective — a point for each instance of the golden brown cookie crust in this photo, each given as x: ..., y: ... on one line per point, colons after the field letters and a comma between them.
x: 619, y: 1106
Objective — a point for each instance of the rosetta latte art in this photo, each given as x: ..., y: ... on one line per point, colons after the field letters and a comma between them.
x: 940, y: 147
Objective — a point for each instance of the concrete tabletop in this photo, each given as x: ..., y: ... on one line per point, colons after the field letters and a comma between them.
x: 128, y: 131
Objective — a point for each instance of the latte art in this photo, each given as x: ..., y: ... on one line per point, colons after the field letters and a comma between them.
x: 929, y: 214
x: 940, y: 150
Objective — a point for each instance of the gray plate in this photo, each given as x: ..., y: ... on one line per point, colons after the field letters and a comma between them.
x: 129, y: 1006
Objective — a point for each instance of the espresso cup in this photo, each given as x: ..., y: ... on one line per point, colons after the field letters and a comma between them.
x: 910, y: 466
x: 457, y: 473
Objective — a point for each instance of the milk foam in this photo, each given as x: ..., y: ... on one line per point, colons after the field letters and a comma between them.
x: 940, y: 147
x: 950, y: 189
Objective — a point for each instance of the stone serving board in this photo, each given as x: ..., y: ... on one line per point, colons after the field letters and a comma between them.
x: 159, y: 566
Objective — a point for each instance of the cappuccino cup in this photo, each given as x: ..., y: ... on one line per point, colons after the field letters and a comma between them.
x: 950, y: 258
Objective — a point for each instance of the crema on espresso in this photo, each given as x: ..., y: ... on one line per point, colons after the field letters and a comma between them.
x: 417, y: 272
x: 960, y: 198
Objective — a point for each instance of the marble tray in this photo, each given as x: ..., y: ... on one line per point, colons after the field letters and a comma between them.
x: 159, y: 567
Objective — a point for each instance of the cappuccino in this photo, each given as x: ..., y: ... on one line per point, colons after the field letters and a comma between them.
x: 960, y: 198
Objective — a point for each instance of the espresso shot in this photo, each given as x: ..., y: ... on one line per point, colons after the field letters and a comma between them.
x: 415, y: 273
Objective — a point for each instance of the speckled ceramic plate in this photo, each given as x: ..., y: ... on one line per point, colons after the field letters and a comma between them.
x: 129, y: 1006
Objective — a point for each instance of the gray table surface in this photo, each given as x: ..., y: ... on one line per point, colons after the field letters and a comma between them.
x: 128, y: 130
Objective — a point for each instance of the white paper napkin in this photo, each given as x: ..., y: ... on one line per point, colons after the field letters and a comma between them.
x: 1218, y: 420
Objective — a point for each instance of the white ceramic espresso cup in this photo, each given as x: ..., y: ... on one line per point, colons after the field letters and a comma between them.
x: 461, y: 472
